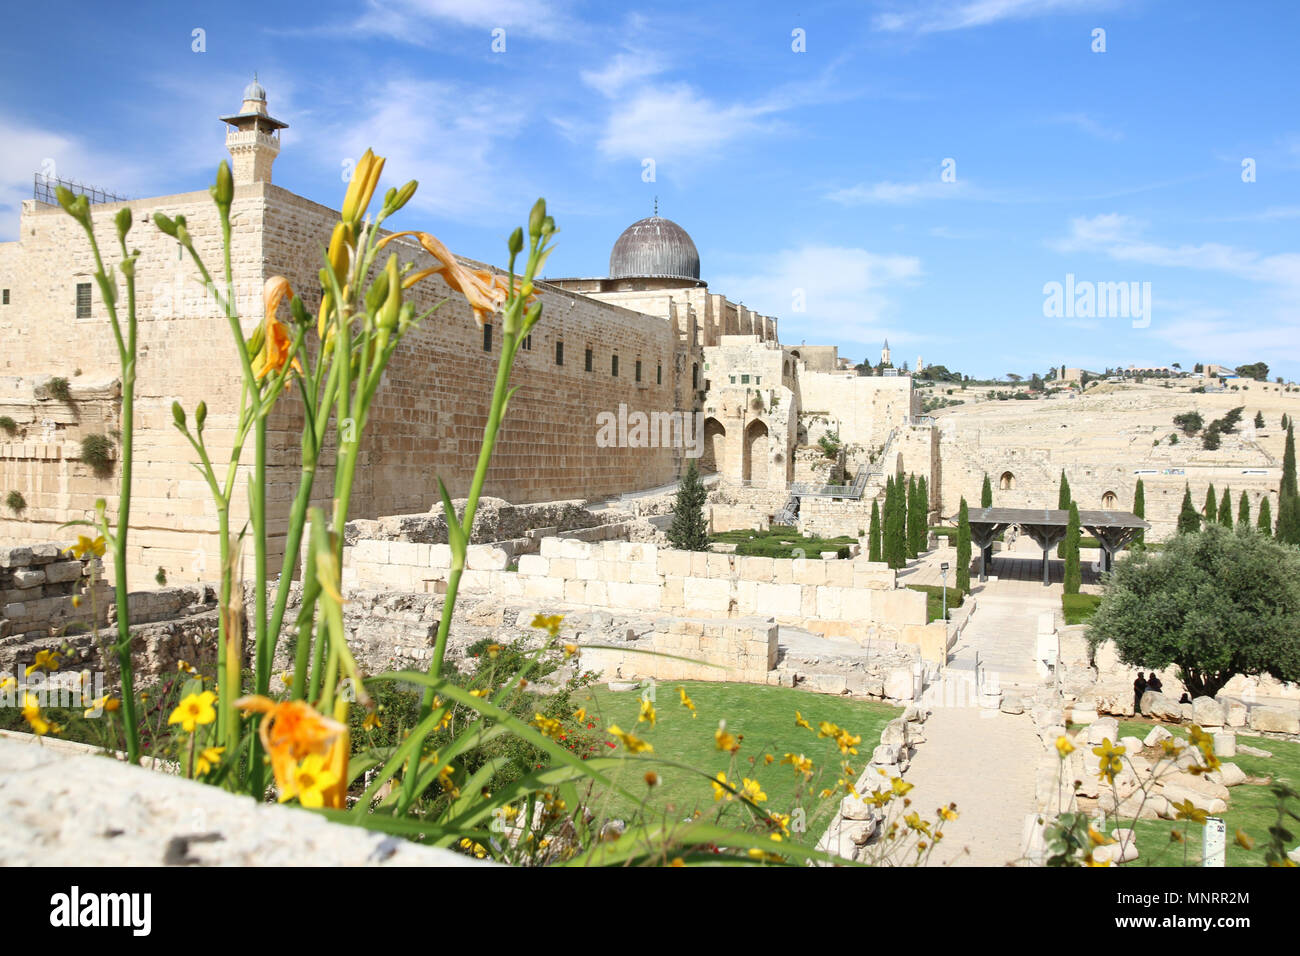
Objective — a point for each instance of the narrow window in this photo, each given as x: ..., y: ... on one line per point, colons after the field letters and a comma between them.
x: 695, y: 376
x: 83, y: 300
x: 613, y: 365
x: 638, y: 370
x: 559, y: 353
x: 527, y: 343
x: 6, y: 296
x: 588, y: 360
x: 487, y: 338
x: 659, y: 374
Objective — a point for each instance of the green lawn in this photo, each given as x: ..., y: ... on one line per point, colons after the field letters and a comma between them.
x: 1251, y: 808
x: 781, y: 541
x: 765, y: 716
x: 934, y: 599
x: 1079, y: 607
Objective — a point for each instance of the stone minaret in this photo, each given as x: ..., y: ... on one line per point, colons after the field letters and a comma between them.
x: 253, y: 138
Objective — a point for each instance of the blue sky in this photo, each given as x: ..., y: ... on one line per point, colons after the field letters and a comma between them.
x: 818, y: 171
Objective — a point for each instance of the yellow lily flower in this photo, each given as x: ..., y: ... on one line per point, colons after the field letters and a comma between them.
x: 194, y: 710
x: 277, y: 341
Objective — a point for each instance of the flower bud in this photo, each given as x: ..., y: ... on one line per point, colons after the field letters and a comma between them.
x: 78, y: 207
x: 535, y: 218
x: 223, y: 191
x: 178, y: 415
x: 123, y: 222
x: 516, y: 242
x: 548, y: 226
x: 299, y: 311
x: 165, y: 224
x: 393, y: 304
x: 201, y: 415
x: 403, y: 196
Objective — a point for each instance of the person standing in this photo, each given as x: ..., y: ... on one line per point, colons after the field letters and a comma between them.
x: 1153, y: 683
x: 1139, y: 688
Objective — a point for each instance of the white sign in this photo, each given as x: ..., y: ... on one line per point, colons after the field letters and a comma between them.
x: 1216, y: 833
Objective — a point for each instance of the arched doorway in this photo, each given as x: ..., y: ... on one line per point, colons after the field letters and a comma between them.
x: 1007, y: 482
x: 715, y: 439
x: 755, y: 461
x: 1109, y: 500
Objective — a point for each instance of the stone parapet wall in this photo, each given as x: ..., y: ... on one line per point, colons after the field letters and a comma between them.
x: 854, y: 598
x: 38, y: 585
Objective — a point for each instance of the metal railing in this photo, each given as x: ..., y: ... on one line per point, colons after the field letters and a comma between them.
x: 43, y: 190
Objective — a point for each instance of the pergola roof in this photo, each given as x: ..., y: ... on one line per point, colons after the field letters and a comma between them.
x: 1056, y: 516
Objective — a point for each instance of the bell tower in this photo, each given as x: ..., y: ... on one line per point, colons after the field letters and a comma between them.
x: 253, y: 138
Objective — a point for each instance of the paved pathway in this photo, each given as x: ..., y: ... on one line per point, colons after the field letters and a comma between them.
x: 984, y: 761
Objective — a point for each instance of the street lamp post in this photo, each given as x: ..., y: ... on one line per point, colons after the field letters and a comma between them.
x: 943, y: 574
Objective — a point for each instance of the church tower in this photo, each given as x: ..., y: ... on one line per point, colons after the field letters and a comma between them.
x: 253, y: 138
x: 884, y: 354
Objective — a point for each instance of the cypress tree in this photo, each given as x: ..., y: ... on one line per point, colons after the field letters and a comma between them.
x: 887, y: 528
x: 1288, y: 463
x: 1073, y: 573
x: 909, y: 517
x: 1288, y: 505
x: 895, y: 531
x: 873, y: 534
x: 1211, y: 505
x: 1259, y: 419
x: 1243, y: 511
x: 1265, y: 523
x: 1140, y: 508
x: 1225, y: 508
x: 1063, y: 500
x: 1188, y: 519
x: 963, y: 549
x: 689, y: 531
x: 1286, y: 422
x: 922, y: 513
x: 986, y: 493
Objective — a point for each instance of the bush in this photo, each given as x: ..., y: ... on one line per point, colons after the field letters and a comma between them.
x: 8, y: 425
x: 16, y: 502
x: 1078, y: 608
x: 58, y: 388
x: 97, y: 452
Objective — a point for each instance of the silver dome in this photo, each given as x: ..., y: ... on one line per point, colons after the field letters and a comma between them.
x: 254, y: 91
x: 654, y: 247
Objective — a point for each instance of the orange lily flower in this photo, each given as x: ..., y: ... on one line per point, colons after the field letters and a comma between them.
x: 291, y: 731
x: 275, y: 348
x: 485, y: 291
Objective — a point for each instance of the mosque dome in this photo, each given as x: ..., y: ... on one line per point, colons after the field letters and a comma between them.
x: 254, y: 91
x: 654, y: 248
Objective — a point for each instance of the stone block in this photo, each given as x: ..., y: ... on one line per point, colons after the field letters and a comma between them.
x: 808, y: 572
x: 439, y: 555
x: 641, y: 597
x: 574, y: 548
x: 706, y: 594
x: 1103, y: 728
x: 484, y: 557
x: 674, y: 563
x: 1225, y: 743
x: 1161, y: 707
x: 900, y: 685
x: 15, y: 557
x: 778, y: 600
x: 1156, y: 737
x: 1235, y: 713
x: 839, y: 573
x: 1207, y: 712
x: 1275, y: 720
x: 551, y: 547
x: 24, y: 578
x: 62, y: 571
x: 534, y: 564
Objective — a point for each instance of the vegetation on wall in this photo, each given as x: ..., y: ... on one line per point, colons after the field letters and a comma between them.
x: 16, y: 502
x: 97, y: 452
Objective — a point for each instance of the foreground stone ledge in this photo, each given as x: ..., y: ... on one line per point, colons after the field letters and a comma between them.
x: 61, y: 808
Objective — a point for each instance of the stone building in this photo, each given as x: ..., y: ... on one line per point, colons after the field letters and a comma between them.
x: 651, y: 336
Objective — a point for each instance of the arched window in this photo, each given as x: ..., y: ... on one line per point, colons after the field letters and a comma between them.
x: 1007, y: 481
x: 1109, y: 500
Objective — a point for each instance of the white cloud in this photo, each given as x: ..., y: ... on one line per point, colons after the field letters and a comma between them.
x: 449, y: 137
x: 894, y: 194
x: 416, y: 21
x: 949, y: 15
x: 847, y: 291
x: 1086, y: 124
x: 30, y: 149
x: 622, y: 71
x: 676, y: 123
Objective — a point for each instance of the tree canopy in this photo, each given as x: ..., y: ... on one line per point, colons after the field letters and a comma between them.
x: 1215, y: 603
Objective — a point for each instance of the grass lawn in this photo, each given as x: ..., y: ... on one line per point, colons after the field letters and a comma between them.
x: 1079, y: 607
x: 763, y: 715
x: 781, y: 541
x: 934, y: 599
x: 1251, y: 807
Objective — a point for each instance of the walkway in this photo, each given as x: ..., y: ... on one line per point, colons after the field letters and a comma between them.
x: 984, y: 761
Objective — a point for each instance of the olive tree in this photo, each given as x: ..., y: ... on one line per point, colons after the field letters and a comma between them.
x: 1215, y: 603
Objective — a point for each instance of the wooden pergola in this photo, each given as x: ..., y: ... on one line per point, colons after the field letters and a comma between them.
x: 1114, y: 530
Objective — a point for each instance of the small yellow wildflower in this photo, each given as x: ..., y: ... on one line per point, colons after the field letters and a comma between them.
x: 194, y: 710
x: 800, y: 722
x: 372, y: 721
x: 721, y: 789
x: 580, y: 715
x: 209, y: 758
x: 45, y: 660
x: 634, y: 744
x: 724, y: 740
x: 477, y: 849
x: 752, y: 790
x: 32, y: 714
x: 647, y: 714
x: 1109, y: 755
x: 687, y: 702
x: 1063, y: 746
x: 1189, y: 811
x: 87, y: 546
x: 549, y: 726
x: 548, y: 623
x: 800, y: 763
